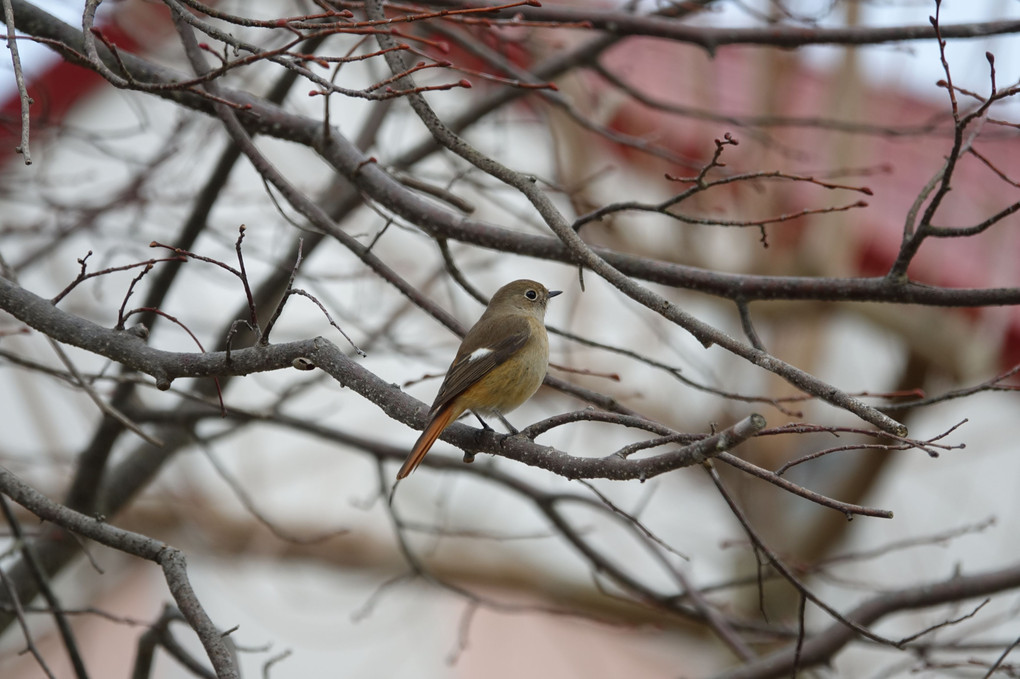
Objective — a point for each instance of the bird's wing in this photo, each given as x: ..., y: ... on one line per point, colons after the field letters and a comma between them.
x: 478, y: 354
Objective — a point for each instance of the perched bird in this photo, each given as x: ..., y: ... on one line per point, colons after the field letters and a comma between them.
x: 500, y: 364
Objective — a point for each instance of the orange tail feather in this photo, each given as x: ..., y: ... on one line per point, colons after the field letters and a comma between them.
x: 432, y: 431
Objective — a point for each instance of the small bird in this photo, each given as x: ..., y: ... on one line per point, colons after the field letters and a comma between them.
x: 499, y: 365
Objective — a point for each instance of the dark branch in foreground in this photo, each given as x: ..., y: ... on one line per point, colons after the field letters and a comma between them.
x: 168, y: 558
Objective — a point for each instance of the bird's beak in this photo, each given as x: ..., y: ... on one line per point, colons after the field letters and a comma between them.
x: 553, y: 293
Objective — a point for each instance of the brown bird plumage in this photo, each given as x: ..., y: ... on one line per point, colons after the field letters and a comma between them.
x: 499, y: 365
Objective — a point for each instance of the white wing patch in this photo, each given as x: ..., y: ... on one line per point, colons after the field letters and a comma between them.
x: 479, y: 353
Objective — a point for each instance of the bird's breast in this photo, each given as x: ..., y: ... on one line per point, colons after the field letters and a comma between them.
x: 514, y: 381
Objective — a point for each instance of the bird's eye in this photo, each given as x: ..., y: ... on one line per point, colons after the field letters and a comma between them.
x: 531, y: 294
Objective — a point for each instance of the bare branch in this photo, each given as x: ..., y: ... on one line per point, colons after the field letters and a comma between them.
x: 169, y: 559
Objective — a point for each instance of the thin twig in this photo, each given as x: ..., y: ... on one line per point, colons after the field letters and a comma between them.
x: 19, y: 76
